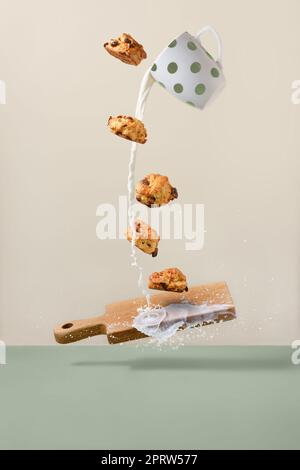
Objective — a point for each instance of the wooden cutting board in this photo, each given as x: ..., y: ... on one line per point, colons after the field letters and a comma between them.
x: 116, y: 323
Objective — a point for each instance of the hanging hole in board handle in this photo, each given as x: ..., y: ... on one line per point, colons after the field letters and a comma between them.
x: 210, y: 29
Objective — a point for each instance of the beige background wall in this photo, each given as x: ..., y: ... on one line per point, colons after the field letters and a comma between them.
x: 240, y: 157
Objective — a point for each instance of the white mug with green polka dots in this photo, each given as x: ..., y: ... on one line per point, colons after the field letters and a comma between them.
x: 188, y: 71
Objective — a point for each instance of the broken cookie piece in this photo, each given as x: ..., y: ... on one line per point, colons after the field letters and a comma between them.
x: 171, y: 279
x: 156, y: 190
x: 128, y: 127
x: 126, y: 49
x: 146, y: 238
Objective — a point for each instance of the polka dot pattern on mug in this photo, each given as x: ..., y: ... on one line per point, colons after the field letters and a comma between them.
x: 200, y: 89
x: 188, y: 71
x: 195, y: 67
x: 173, y: 43
x: 172, y: 67
x: 191, y: 45
x: 178, y: 88
x: 209, y: 55
x: 215, y: 72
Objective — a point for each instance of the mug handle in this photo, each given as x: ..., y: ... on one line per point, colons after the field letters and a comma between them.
x: 210, y: 29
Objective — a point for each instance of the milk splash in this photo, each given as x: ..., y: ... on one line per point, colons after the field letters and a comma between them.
x: 145, y: 88
x: 163, y: 322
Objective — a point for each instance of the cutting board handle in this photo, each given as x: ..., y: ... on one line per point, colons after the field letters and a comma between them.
x: 76, y: 330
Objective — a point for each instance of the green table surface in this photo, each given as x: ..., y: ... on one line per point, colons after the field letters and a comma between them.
x: 129, y: 397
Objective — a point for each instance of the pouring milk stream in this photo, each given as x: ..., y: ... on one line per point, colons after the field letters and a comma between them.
x: 190, y: 73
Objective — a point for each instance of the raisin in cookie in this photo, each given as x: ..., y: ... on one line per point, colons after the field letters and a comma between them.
x: 171, y: 279
x: 146, y: 238
x: 127, y: 49
x: 156, y: 190
x: 129, y: 128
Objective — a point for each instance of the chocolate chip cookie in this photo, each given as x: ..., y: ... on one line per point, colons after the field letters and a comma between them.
x: 171, y: 279
x: 129, y: 128
x: 146, y: 238
x: 156, y: 190
x: 127, y: 49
